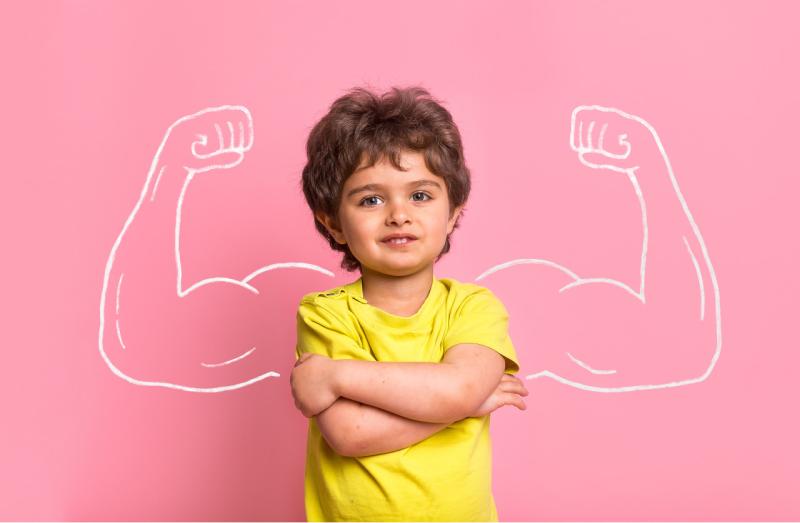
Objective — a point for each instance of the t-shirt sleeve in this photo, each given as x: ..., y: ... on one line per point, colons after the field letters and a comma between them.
x: 322, y: 330
x: 483, y: 319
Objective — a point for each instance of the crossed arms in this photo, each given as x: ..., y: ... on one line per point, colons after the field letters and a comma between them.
x: 368, y: 407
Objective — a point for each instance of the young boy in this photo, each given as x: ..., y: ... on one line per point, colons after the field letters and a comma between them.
x: 398, y: 370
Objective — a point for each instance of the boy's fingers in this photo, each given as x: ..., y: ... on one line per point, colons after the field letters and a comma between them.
x: 513, y: 377
x: 513, y: 386
x: 522, y: 385
x: 516, y: 400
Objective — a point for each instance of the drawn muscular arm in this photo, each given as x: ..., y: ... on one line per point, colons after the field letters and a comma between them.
x: 144, y: 267
x: 602, y: 334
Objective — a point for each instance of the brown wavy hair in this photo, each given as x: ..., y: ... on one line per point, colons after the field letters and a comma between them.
x: 362, y: 127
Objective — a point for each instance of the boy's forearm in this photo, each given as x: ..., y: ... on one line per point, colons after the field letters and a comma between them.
x: 429, y: 392
x: 378, y: 431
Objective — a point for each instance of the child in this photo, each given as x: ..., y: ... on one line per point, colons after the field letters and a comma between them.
x: 398, y: 370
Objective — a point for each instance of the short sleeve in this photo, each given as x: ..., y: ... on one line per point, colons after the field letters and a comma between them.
x: 324, y: 331
x: 483, y: 319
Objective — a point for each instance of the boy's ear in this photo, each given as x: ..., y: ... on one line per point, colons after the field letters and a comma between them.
x: 454, y: 218
x: 331, y: 225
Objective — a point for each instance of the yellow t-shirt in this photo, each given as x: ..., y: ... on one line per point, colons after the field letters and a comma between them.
x: 446, y: 477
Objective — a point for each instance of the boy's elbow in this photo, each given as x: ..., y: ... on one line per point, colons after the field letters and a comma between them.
x: 350, y: 446
x: 330, y: 437
x: 457, y: 404
x: 340, y: 427
x: 478, y: 371
x: 471, y: 394
x: 464, y: 405
x: 344, y: 444
x: 342, y: 450
x: 337, y: 444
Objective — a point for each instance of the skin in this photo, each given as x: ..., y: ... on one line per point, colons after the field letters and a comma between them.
x: 396, y: 280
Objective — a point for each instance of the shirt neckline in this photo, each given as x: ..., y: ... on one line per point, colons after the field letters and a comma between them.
x: 356, y: 291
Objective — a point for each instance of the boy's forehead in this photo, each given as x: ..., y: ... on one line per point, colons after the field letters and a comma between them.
x: 383, y: 171
x: 399, y: 180
x: 407, y: 158
x: 385, y: 176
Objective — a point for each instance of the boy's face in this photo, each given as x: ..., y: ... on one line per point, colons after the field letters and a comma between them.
x: 412, y: 202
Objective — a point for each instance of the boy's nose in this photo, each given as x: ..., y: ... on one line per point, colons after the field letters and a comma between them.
x: 398, y: 213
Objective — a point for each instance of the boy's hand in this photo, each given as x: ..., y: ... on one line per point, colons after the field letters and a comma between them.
x: 508, y: 392
x: 312, y: 384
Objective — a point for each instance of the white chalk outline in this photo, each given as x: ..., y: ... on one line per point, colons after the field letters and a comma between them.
x: 583, y: 150
x: 577, y: 280
x: 202, y: 140
x: 232, y: 360
x: 587, y: 367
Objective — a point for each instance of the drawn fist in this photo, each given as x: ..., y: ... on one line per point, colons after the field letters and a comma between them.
x: 607, y: 138
x: 214, y: 138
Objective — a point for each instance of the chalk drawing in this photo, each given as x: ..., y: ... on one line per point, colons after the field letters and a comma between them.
x: 589, y: 154
x: 228, y: 151
x: 590, y: 146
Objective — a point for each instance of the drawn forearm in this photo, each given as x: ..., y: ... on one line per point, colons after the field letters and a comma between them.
x: 144, y: 266
x: 654, y: 329
x: 671, y: 245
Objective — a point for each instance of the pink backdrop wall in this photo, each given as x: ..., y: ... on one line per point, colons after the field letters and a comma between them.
x: 681, y: 407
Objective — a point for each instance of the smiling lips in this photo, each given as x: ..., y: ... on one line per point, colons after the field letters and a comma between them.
x: 399, y: 239
x: 399, y: 235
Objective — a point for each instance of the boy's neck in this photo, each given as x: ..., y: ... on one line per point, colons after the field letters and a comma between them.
x: 398, y: 295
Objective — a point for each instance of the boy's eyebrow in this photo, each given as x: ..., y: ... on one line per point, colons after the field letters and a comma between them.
x: 376, y: 186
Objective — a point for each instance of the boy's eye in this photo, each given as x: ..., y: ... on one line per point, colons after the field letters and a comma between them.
x: 369, y: 198
x: 424, y: 194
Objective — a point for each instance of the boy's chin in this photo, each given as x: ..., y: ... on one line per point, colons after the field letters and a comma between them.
x: 397, y: 270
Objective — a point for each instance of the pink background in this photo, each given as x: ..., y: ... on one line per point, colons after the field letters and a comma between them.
x: 89, y: 90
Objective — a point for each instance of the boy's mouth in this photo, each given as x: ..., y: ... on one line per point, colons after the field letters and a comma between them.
x: 397, y: 239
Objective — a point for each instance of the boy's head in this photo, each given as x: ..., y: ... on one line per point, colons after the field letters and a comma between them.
x: 390, y: 140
